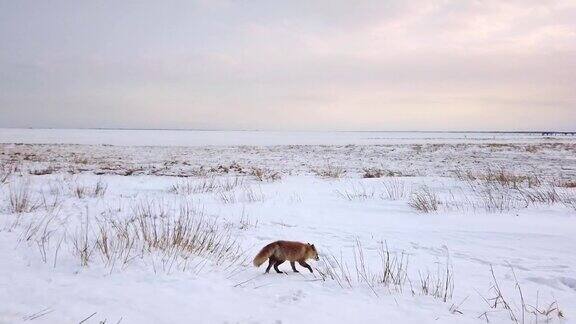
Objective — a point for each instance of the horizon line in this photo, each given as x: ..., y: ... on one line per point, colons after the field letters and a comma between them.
x: 295, y: 131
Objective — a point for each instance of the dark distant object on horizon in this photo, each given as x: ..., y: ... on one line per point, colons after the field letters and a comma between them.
x: 558, y: 133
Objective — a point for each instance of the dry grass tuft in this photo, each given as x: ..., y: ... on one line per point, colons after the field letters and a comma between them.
x: 262, y: 174
x: 21, y: 198
x: 83, y: 247
x: 567, y: 184
x: 492, y: 197
x: 393, y: 189
x: 569, y: 200
x: 226, y: 197
x: 43, y: 171
x: 189, y: 187
x: 246, y: 195
x: 38, y: 232
x: 500, y: 176
x: 245, y: 222
x: 379, y: 173
x: 170, y: 237
x: 424, y: 200
x: 176, y: 236
x: 391, y: 275
x: 532, y: 148
x: 206, y: 185
x: 542, y: 195
x: 82, y: 190
x: 440, y: 285
x: 330, y: 171
x: 356, y: 192
x: 502, y: 191
x: 517, y: 308
x: 6, y: 170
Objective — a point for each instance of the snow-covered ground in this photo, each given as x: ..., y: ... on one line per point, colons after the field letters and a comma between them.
x: 90, y: 232
x: 202, y: 138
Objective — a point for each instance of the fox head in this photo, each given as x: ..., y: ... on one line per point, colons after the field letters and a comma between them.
x: 311, y: 252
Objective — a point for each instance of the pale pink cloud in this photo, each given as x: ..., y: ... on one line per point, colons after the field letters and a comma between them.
x: 296, y: 65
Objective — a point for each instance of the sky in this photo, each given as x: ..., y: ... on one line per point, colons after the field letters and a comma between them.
x: 289, y: 65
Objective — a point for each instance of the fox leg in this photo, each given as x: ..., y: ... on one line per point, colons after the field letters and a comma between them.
x: 306, y: 265
x: 278, y: 262
x: 271, y: 262
x: 293, y: 264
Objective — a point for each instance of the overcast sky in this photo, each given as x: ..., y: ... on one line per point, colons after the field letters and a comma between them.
x: 289, y: 65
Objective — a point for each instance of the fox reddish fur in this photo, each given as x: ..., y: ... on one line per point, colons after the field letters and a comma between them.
x: 280, y: 251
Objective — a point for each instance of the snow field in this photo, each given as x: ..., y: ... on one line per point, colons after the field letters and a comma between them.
x: 380, y: 256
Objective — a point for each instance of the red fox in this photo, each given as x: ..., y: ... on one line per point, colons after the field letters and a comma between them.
x: 280, y: 251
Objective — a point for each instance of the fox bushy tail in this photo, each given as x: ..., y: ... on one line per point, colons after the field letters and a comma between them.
x: 264, y: 254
